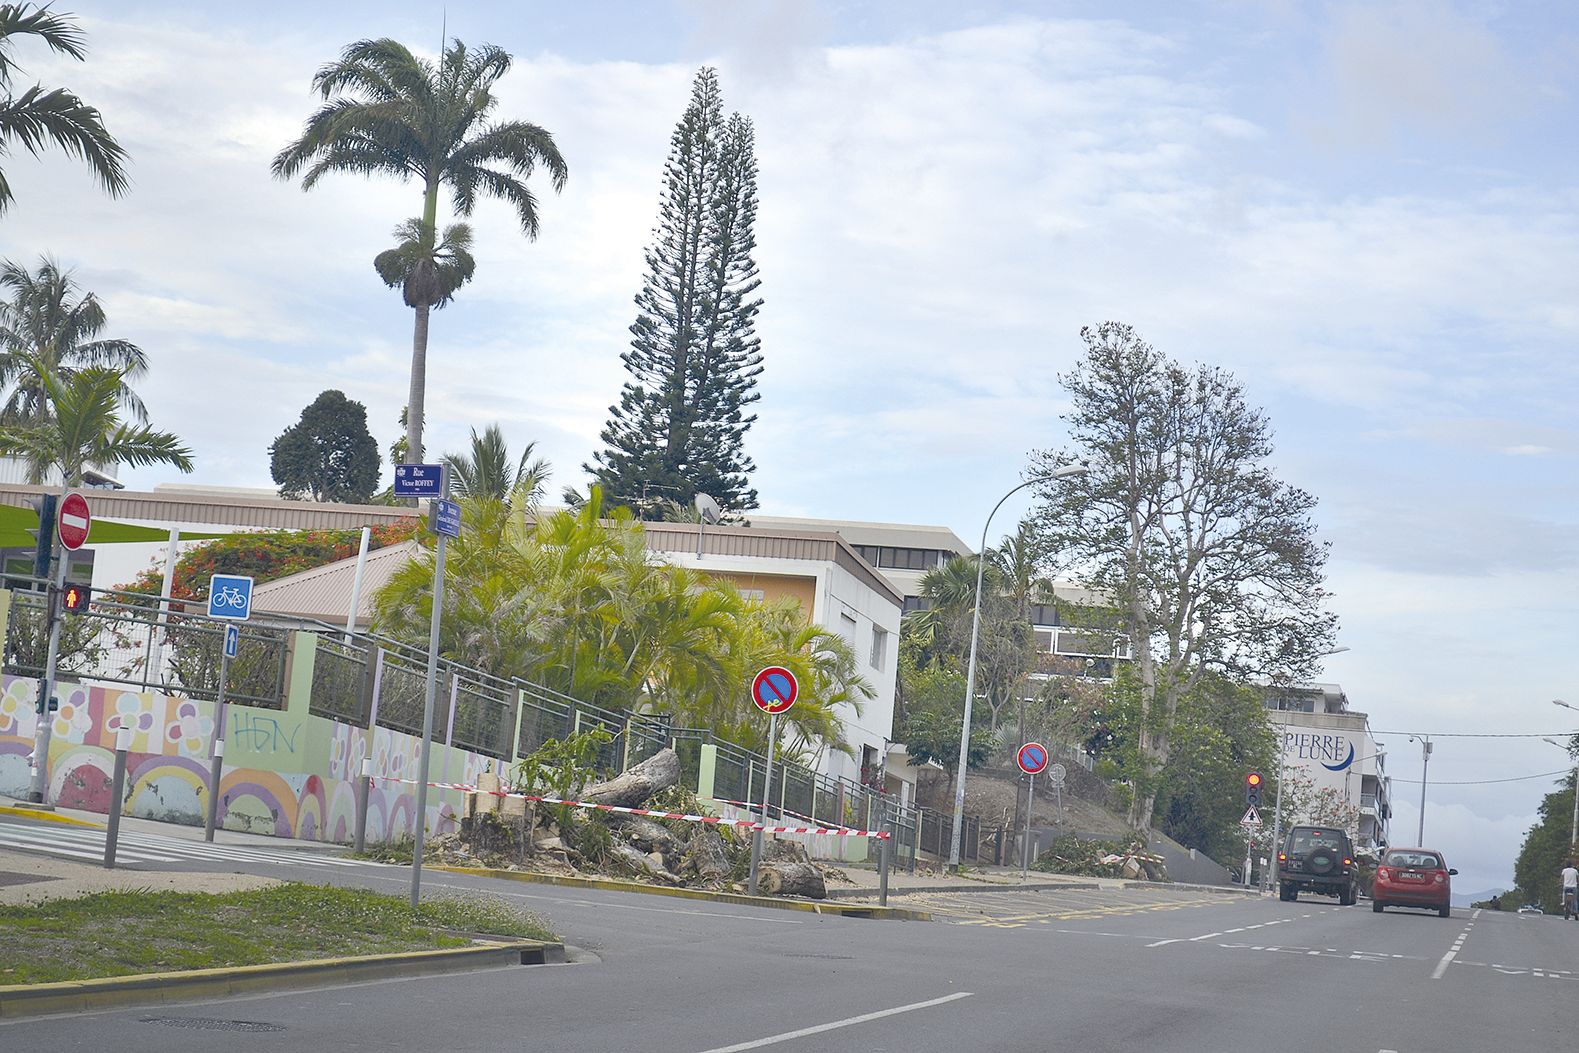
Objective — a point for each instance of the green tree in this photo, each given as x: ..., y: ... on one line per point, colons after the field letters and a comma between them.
x: 388, y: 112
x: 40, y: 117
x: 327, y: 455
x: 681, y: 421
x: 488, y: 470
x: 1211, y: 560
x: 83, y: 428
x: 934, y: 710
x: 48, y: 327
x: 1220, y: 733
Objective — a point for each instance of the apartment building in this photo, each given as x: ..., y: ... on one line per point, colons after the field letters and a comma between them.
x: 1332, y: 746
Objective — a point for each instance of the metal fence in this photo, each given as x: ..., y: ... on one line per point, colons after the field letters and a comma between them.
x: 124, y: 638
x: 156, y: 643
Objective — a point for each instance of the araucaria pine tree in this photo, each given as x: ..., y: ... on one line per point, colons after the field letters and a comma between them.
x: 681, y: 421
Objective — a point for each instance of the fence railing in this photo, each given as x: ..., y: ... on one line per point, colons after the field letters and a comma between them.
x: 362, y: 679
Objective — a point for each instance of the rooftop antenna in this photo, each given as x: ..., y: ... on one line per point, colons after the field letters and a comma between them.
x: 707, y: 511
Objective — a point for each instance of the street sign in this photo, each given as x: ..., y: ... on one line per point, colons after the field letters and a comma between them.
x: 419, y: 480
x: 447, y: 518
x: 1032, y: 758
x: 74, y: 520
x: 232, y: 639
x: 1056, y: 773
x: 1252, y: 817
x: 230, y: 596
x: 774, y: 689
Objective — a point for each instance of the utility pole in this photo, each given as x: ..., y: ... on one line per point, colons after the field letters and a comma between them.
x: 1425, y: 768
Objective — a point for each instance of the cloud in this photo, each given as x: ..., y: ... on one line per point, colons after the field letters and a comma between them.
x: 1526, y: 450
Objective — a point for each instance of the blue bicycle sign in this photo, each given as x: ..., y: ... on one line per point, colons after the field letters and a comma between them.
x: 230, y: 596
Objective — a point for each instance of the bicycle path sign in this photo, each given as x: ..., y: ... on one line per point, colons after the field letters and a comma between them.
x: 230, y: 596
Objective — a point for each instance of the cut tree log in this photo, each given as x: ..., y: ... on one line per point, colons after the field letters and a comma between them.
x: 791, y: 879
x: 642, y: 832
x: 653, y: 775
x: 775, y: 850
x: 707, y: 856
x: 639, y: 863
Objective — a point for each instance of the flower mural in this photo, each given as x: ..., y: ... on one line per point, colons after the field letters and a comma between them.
x: 73, y: 721
x: 190, y: 729
x: 16, y: 707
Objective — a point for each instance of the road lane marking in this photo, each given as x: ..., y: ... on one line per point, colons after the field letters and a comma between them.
x: 772, y: 1040
x: 1161, y: 943
x: 1447, y: 959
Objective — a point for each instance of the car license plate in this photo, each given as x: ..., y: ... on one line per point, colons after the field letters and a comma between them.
x: 1413, y: 875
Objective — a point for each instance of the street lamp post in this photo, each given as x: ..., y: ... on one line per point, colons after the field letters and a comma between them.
x: 1425, y: 769
x: 1068, y: 470
x: 1573, y: 829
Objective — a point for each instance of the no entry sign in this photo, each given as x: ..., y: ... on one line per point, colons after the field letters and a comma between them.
x: 1032, y: 758
x: 74, y: 520
x: 774, y: 689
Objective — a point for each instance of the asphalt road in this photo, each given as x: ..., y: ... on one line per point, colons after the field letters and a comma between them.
x: 1112, y: 970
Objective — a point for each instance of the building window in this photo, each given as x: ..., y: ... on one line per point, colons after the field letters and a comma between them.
x: 917, y: 603
x: 879, y: 647
x: 752, y: 594
x: 847, y: 628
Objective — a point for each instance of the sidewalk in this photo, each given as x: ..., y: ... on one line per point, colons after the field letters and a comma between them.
x: 10, y: 806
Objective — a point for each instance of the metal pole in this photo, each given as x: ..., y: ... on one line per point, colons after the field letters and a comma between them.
x: 1025, y: 850
x: 1246, y: 879
x: 364, y: 781
x: 884, y: 848
x: 767, y: 785
x: 970, y: 669
x: 123, y: 742
x: 356, y: 584
x: 427, y: 709
x: 154, y: 668
x: 1573, y: 829
x: 217, y: 749
x: 1277, y: 809
x: 40, y: 789
x: 1425, y: 767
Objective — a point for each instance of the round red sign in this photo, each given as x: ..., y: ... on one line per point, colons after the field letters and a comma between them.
x: 774, y: 689
x: 74, y: 520
x: 1032, y: 758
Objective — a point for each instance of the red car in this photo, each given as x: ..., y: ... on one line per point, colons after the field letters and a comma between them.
x: 1413, y: 877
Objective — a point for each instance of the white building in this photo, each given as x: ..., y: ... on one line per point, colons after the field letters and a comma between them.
x: 1332, y: 746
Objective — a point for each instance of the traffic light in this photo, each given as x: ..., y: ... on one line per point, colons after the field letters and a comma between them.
x: 1253, y: 789
x: 74, y: 598
x: 44, y: 548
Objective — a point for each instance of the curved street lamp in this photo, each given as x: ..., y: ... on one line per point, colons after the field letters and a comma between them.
x: 1068, y: 470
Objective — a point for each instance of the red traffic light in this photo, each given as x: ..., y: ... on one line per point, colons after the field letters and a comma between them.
x: 1253, y: 779
x: 74, y: 599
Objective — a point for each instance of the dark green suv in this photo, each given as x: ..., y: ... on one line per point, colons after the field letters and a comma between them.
x: 1317, y: 859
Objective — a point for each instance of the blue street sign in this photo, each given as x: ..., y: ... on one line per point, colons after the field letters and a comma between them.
x: 230, y: 596
x: 232, y: 639
x: 419, y: 480
x: 447, y: 518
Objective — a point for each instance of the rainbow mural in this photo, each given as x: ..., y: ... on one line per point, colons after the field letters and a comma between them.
x: 287, y: 772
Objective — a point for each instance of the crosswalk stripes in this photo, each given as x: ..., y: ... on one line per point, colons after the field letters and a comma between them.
x: 88, y: 844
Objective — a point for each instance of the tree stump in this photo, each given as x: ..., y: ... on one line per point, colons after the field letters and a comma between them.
x: 791, y: 879
x: 707, y: 856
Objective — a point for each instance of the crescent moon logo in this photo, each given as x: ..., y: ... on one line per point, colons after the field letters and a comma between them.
x: 1345, y: 763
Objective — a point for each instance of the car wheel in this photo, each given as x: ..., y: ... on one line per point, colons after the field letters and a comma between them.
x: 1376, y: 906
x: 1445, y: 912
x: 1346, y: 897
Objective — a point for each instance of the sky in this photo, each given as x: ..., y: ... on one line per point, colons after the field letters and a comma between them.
x: 1366, y: 211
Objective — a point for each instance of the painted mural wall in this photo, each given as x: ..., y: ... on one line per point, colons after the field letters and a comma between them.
x: 286, y: 773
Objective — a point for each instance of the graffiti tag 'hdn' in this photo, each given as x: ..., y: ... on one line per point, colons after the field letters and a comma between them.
x: 262, y: 734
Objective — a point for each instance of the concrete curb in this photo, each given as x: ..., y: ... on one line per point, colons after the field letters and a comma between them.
x: 23, y: 812
x: 813, y: 906
x: 77, y: 996
x: 1039, y: 886
x: 1221, y: 890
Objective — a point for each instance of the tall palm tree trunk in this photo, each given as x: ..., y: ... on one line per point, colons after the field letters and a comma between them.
x: 419, y: 381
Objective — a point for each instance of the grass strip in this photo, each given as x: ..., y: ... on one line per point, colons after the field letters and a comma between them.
x: 123, y: 933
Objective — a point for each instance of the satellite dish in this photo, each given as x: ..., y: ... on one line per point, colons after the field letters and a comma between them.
x: 708, y: 508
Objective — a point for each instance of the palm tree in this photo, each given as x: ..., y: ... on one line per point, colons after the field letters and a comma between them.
x: 50, y: 324
x: 40, y: 117
x: 83, y: 428
x: 388, y: 112
x: 489, y: 472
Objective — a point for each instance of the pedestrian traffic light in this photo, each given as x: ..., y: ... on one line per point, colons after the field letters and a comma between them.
x: 1253, y: 789
x: 74, y: 598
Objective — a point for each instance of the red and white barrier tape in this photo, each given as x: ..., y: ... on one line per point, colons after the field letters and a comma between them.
x: 748, y: 806
x: 713, y: 820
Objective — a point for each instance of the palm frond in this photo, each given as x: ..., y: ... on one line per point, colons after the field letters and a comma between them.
x: 57, y: 32
x: 39, y: 118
